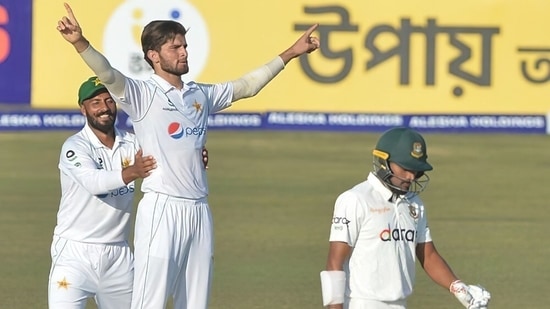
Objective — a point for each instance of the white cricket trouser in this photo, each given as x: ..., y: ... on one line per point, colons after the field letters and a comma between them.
x: 375, y: 304
x: 81, y: 271
x: 173, y: 249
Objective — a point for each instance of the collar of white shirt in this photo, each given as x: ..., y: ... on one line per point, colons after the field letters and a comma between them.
x: 166, y: 86
x: 96, y: 142
x: 379, y: 186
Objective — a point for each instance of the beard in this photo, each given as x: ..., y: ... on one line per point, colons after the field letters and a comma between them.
x: 173, y: 69
x: 102, y: 125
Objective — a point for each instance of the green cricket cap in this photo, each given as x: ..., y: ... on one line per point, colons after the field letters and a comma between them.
x: 90, y: 88
x: 406, y: 148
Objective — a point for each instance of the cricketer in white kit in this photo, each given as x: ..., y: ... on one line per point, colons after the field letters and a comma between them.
x: 379, y: 229
x: 381, y: 232
x: 173, y: 231
x: 90, y: 254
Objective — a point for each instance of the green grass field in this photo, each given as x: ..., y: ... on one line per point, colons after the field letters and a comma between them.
x: 272, y: 195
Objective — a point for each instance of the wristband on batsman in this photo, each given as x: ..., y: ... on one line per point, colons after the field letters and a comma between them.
x: 333, y: 286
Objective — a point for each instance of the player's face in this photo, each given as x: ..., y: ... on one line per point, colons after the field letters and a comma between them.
x: 173, y: 56
x: 401, y: 177
x: 100, y: 112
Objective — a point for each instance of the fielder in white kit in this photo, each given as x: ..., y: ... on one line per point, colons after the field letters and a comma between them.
x: 174, y: 232
x: 98, y: 165
x: 379, y: 228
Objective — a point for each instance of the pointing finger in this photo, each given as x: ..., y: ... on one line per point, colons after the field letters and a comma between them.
x: 311, y: 29
x: 70, y: 13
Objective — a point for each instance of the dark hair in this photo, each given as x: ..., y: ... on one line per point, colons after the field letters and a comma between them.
x: 158, y: 32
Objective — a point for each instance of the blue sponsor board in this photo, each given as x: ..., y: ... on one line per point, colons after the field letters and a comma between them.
x: 240, y: 121
x: 526, y: 124
x: 332, y: 121
x: 50, y: 120
x: 40, y: 121
x: 15, y: 51
x: 307, y: 121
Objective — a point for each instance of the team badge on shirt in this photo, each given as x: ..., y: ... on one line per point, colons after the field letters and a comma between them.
x: 197, y: 106
x: 125, y: 162
x: 63, y: 284
x: 413, y: 212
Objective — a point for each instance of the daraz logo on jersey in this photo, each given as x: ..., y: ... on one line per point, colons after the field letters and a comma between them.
x: 177, y: 131
x: 338, y: 223
x: 396, y: 234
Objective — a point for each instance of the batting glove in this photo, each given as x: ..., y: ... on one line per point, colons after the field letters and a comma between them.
x: 471, y: 296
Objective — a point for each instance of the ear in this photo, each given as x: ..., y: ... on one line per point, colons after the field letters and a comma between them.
x: 82, y: 109
x: 153, y: 55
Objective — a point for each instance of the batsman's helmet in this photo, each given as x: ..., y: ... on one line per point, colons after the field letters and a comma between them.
x: 406, y: 148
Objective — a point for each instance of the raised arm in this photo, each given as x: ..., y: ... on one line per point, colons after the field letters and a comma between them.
x: 70, y: 30
x: 305, y: 44
x: 251, y: 83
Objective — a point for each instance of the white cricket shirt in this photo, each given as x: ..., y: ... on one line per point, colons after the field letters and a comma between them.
x: 95, y: 203
x: 171, y: 125
x: 383, y: 236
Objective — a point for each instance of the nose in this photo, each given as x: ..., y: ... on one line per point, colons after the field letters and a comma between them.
x: 104, y: 107
x: 410, y: 175
x: 183, y: 52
